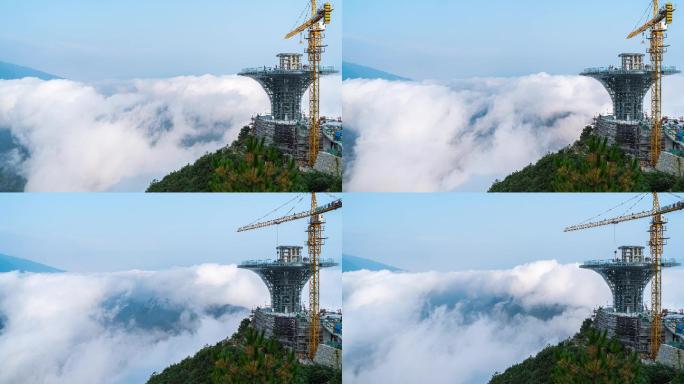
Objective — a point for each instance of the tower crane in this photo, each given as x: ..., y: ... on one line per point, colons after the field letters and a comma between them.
x: 316, y: 25
x: 656, y: 243
x: 658, y: 25
x: 314, y: 243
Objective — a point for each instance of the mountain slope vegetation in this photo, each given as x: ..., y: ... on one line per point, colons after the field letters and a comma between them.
x: 589, y: 165
x: 247, y: 357
x: 589, y: 357
x: 246, y: 166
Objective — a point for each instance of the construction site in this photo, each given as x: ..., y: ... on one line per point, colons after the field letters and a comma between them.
x: 656, y: 141
x: 655, y: 334
x: 314, y: 141
x: 313, y: 333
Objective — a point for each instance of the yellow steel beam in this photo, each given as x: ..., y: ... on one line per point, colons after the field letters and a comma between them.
x: 337, y: 204
x: 319, y: 16
x: 661, y: 16
x: 679, y: 206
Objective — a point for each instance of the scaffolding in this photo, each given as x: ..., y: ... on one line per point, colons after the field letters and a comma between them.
x: 292, y: 329
x: 633, y: 330
x: 289, y: 329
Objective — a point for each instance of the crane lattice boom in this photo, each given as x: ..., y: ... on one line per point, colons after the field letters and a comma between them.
x: 337, y: 204
x: 320, y: 15
x: 632, y: 216
x: 662, y: 15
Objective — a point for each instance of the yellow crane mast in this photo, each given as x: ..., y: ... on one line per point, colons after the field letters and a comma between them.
x: 656, y: 243
x: 656, y: 51
x: 314, y: 50
x: 314, y: 243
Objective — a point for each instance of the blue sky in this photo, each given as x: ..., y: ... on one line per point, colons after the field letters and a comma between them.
x: 114, y: 232
x: 450, y: 232
x: 443, y: 39
x: 95, y: 40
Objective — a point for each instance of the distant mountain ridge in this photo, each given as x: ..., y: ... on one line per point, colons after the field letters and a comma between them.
x: 354, y: 263
x: 355, y: 71
x: 9, y: 71
x: 11, y: 264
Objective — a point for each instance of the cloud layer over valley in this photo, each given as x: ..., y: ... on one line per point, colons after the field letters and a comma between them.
x: 121, y: 327
x: 426, y: 136
x: 462, y: 327
x: 72, y: 136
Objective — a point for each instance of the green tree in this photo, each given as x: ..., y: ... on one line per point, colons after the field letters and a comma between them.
x: 589, y: 165
x: 601, y: 361
x: 247, y: 357
x: 247, y: 165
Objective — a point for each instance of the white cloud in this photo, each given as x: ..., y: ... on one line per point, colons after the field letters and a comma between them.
x: 425, y: 136
x: 121, y: 327
x: 462, y: 327
x: 119, y: 136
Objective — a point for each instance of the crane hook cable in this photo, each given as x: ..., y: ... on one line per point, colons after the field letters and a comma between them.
x: 634, y: 205
x: 612, y: 209
x: 644, y: 16
x: 275, y: 210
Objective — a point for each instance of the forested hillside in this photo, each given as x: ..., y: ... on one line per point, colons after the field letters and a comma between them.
x: 246, y: 166
x: 247, y: 357
x: 589, y: 165
x: 589, y: 357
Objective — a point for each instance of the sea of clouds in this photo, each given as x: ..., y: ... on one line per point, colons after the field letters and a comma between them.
x: 121, y: 327
x: 119, y: 135
x: 409, y: 136
x: 462, y: 327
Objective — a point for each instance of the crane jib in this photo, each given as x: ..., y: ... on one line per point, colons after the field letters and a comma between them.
x: 665, y: 14
x: 337, y: 204
x: 634, y: 216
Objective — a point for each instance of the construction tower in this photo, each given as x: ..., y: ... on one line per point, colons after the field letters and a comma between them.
x: 627, y: 85
x: 286, y: 277
x: 286, y: 127
x: 627, y: 276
